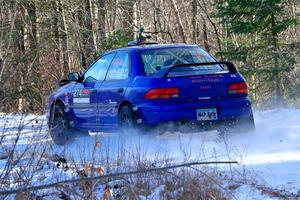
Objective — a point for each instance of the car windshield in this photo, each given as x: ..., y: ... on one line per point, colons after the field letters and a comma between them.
x: 156, y: 59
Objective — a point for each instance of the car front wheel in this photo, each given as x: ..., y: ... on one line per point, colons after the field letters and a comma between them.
x: 59, y: 124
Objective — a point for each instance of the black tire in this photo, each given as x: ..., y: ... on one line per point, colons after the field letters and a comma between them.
x: 59, y: 126
x: 127, y: 118
x: 247, y: 124
x: 242, y: 125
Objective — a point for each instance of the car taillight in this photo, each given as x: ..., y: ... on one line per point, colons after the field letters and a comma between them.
x: 162, y: 93
x: 238, y: 88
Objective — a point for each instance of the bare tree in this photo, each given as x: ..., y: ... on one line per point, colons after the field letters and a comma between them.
x: 102, y: 19
x: 65, y: 42
x: 88, y: 48
x: 194, y: 19
x: 45, y: 39
x: 205, y: 35
x: 179, y: 22
x: 204, y: 8
x: 127, y: 20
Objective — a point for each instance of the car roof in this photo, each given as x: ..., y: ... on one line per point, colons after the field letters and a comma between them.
x: 153, y: 46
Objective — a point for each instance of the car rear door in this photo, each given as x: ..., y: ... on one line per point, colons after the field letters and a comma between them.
x: 84, y: 94
x: 113, y: 88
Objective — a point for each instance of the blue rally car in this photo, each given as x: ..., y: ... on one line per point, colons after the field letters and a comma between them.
x: 148, y: 85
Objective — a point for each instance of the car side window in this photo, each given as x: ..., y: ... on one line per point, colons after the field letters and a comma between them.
x: 119, y: 68
x: 98, y: 70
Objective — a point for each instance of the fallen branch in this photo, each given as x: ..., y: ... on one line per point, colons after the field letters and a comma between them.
x: 115, y: 175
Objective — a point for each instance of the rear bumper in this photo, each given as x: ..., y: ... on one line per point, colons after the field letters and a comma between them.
x: 154, y: 114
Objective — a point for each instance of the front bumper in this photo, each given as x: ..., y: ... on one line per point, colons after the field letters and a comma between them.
x: 154, y: 114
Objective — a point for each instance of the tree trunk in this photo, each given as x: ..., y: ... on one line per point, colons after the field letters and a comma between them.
x: 205, y: 35
x: 65, y: 44
x: 127, y: 20
x: 276, y: 62
x: 102, y: 19
x: 33, y: 50
x: 8, y: 13
x: 33, y: 40
x: 2, y: 63
x: 179, y: 22
x: 1, y: 83
x: 88, y: 50
x: 23, y: 45
x: 204, y: 8
x: 55, y: 29
x: 194, y: 17
x: 89, y: 26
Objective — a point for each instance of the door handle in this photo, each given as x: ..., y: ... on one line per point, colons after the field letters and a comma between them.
x: 93, y: 92
x: 121, y: 90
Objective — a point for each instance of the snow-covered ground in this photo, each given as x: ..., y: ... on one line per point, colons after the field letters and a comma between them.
x: 269, y: 158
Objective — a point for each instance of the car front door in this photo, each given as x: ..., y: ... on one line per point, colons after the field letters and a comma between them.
x: 113, y: 88
x: 84, y: 95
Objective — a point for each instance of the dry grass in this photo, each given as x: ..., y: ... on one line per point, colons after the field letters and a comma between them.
x: 35, y: 160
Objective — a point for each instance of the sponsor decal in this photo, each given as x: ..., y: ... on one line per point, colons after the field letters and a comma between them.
x: 207, y: 78
x: 204, y: 87
x: 81, y: 96
x: 81, y: 100
x: 82, y: 93
x: 85, y: 91
x: 203, y: 80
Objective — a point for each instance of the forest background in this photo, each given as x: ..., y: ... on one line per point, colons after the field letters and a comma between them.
x: 41, y: 41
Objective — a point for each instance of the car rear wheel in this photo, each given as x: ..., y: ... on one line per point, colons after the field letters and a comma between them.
x: 242, y: 125
x: 247, y: 124
x: 127, y: 119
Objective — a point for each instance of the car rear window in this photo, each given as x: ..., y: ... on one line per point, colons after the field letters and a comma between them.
x: 156, y: 59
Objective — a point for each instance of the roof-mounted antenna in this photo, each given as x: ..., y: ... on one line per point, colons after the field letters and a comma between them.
x: 141, y: 39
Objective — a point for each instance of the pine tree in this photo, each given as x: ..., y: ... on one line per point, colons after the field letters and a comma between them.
x: 254, y: 27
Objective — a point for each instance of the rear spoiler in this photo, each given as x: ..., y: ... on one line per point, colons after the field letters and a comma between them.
x: 231, y: 68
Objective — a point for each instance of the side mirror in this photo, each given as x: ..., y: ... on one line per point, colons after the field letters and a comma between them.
x: 73, y: 76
